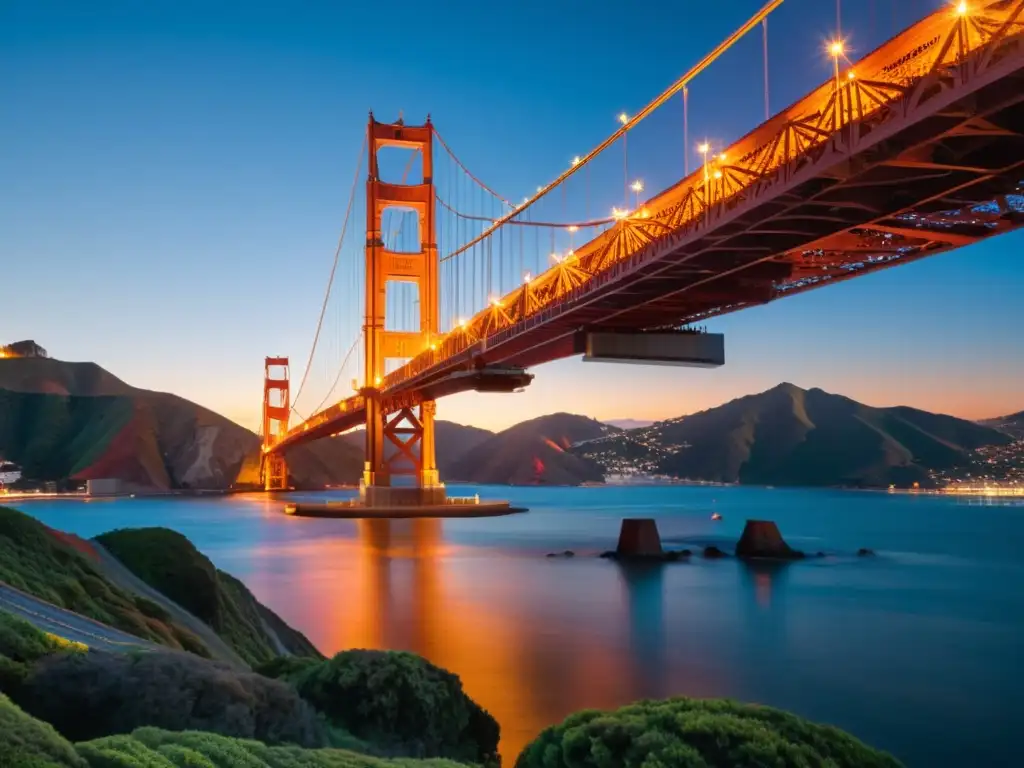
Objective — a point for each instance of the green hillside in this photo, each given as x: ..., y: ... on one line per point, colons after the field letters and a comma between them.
x: 792, y: 436
x: 171, y: 564
x: 61, y: 420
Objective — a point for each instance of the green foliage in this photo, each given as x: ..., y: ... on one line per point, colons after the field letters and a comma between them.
x: 21, y: 645
x: 54, y: 436
x: 29, y: 743
x: 34, y: 560
x: 171, y: 564
x: 287, y: 667
x: 153, y: 748
x: 692, y: 733
x: 177, y: 691
x: 401, y: 703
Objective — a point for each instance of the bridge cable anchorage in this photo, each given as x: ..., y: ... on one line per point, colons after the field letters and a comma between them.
x: 334, y: 267
x: 581, y: 162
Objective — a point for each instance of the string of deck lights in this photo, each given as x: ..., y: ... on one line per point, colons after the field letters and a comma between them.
x: 712, y: 162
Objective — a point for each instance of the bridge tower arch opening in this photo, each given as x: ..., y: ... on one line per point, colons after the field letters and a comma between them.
x: 276, y: 413
x: 401, y: 467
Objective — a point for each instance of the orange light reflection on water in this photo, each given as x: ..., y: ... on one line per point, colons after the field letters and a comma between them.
x: 520, y: 651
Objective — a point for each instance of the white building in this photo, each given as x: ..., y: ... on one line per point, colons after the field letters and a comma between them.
x: 9, y: 473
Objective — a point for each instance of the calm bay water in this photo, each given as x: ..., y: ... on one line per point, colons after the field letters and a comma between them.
x: 916, y: 650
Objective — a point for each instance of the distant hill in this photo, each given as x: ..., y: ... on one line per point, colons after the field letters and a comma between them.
x: 791, y: 436
x: 629, y: 423
x: 1013, y: 424
x: 451, y: 442
x: 62, y: 420
x: 534, y: 452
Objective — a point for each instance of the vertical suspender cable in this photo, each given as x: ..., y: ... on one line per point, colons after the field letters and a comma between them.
x: 839, y: 19
x: 764, y: 46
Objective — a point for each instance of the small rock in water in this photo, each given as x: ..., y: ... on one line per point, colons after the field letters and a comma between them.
x: 864, y: 552
x: 714, y: 553
x: 566, y: 553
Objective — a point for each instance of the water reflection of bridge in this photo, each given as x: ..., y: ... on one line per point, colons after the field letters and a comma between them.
x: 531, y: 641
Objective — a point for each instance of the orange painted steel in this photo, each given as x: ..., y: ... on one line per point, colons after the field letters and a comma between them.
x: 411, y: 429
x: 916, y: 149
x: 276, y: 412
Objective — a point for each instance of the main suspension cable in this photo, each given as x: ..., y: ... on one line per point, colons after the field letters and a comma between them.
x: 334, y: 267
x: 467, y: 171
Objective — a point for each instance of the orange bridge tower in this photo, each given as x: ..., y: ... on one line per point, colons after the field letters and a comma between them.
x: 400, y: 464
x: 276, y: 410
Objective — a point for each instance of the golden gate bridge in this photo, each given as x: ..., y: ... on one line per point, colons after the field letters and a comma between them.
x: 914, y: 149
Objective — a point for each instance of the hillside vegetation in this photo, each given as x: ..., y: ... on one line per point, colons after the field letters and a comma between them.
x: 42, y: 562
x: 534, y: 452
x: 792, y: 436
x: 699, y: 734
x: 171, y: 564
x: 61, y: 420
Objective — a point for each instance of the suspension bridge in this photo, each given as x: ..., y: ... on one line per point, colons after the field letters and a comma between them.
x: 914, y: 149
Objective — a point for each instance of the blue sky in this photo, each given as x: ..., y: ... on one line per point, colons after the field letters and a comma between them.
x: 175, y: 176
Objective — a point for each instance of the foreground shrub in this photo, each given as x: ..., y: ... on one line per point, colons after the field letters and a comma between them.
x: 401, y: 703
x: 27, y: 743
x: 86, y: 696
x: 685, y: 733
x: 21, y: 644
x: 161, y: 749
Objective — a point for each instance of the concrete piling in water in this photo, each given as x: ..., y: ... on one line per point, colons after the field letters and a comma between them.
x: 638, y: 537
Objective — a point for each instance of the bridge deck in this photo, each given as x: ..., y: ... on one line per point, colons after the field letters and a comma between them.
x: 919, y: 151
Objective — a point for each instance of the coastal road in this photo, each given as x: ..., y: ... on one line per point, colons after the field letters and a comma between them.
x: 68, y: 624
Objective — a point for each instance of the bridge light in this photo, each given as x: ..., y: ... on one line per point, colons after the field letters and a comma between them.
x: 570, y: 254
x: 462, y: 323
x: 623, y: 118
x: 836, y: 48
x: 962, y: 8
x: 556, y: 258
x: 618, y: 214
x: 718, y: 174
x: 573, y: 228
x: 433, y: 347
x: 376, y: 381
x: 527, y: 278
x: 495, y: 301
x: 721, y: 157
x: 576, y: 160
x: 703, y: 148
x: 850, y: 75
x: 637, y: 186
